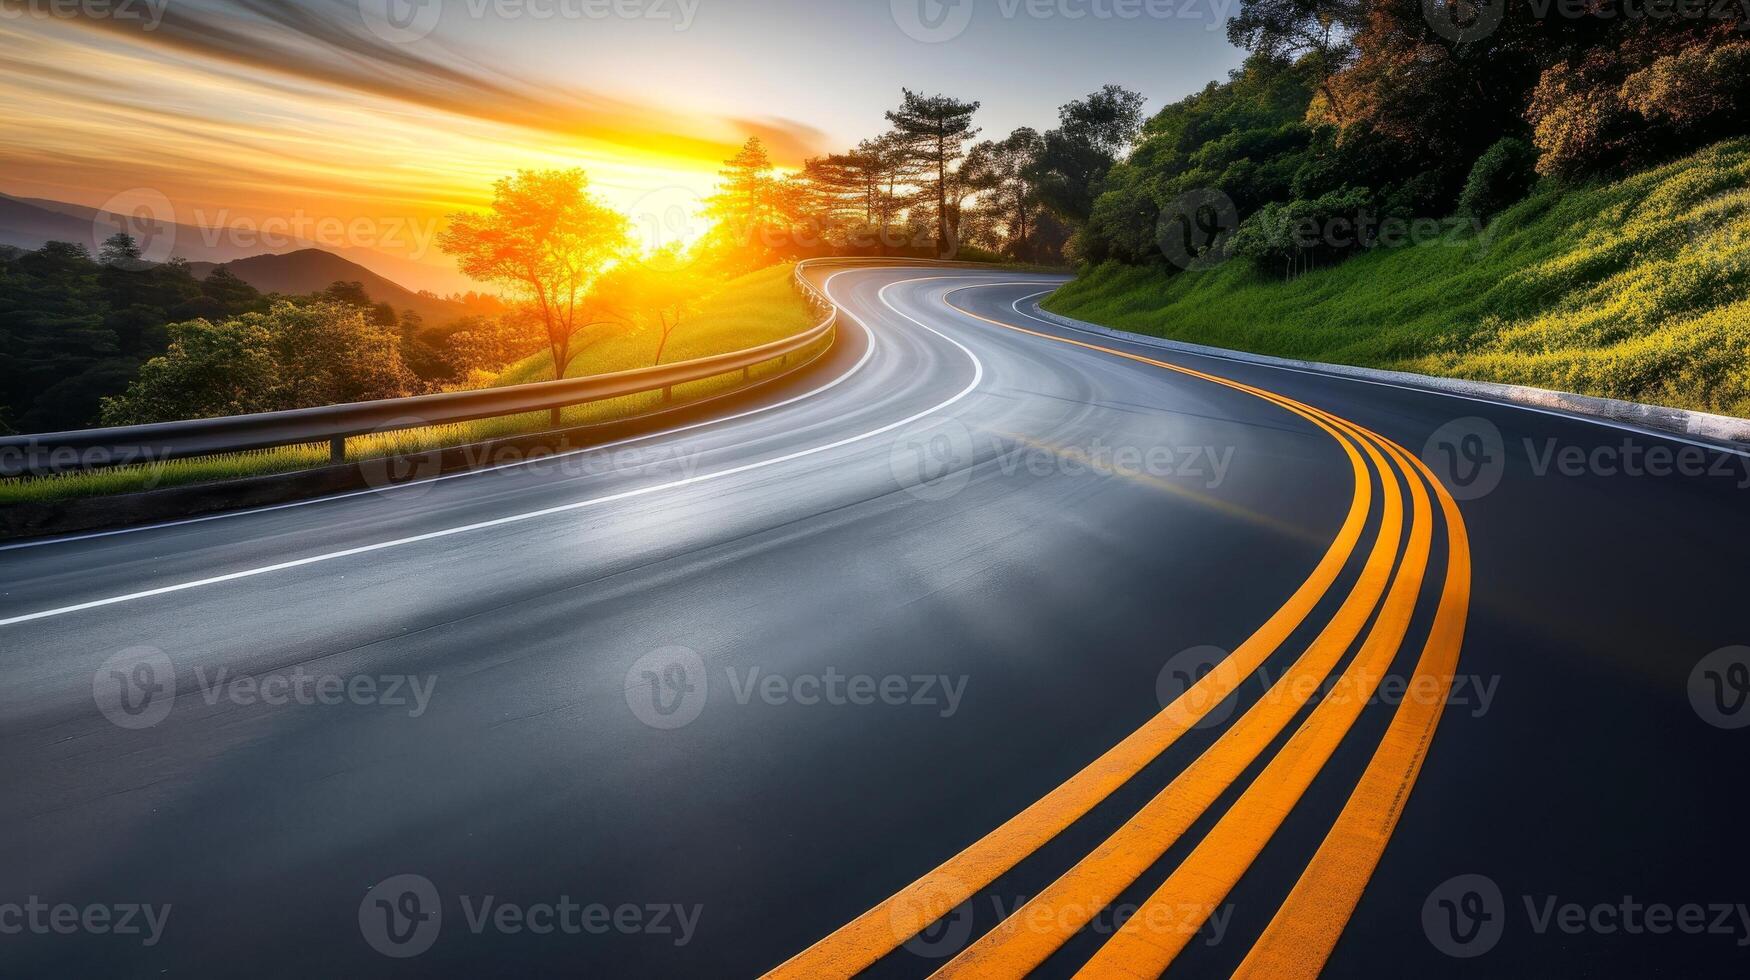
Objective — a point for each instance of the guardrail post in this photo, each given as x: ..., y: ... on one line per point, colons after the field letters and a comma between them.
x: 337, y: 449
x: 553, y: 418
x: 667, y: 394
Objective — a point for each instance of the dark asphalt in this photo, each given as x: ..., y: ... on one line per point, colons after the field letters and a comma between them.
x: 1041, y: 601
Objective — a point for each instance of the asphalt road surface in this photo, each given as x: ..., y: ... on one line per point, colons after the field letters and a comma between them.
x: 993, y: 647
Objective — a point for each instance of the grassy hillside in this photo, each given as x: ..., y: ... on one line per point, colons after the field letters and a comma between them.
x: 757, y: 308
x: 753, y: 309
x: 1635, y: 289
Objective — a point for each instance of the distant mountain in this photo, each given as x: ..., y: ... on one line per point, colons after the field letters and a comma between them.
x: 28, y: 222
x: 311, y: 270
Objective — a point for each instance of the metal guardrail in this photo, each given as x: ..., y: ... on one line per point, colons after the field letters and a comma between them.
x: 90, y: 449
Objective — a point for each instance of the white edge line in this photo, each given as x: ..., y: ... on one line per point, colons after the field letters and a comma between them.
x: 67, y: 539
x: 1143, y: 341
x: 977, y: 378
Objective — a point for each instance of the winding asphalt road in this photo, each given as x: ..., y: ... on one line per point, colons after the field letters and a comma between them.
x: 993, y: 646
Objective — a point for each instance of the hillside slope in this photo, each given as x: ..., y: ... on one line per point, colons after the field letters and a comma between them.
x: 1635, y: 289
x: 753, y: 309
x: 311, y: 270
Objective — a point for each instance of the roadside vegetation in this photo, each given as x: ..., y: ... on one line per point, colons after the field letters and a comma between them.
x: 745, y: 311
x: 1636, y: 289
x: 1542, y: 196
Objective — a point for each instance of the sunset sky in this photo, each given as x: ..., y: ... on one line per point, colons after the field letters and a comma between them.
x: 387, y: 114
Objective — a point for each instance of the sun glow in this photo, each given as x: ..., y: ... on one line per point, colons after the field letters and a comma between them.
x: 96, y: 116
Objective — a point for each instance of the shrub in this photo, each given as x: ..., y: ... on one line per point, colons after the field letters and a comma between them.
x: 1502, y: 176
x: 289, y: 357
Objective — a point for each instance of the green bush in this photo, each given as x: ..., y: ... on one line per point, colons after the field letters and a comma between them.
x: 1501, y: 177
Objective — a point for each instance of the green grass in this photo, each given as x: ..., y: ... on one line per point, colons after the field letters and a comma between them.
x: 1636, y: 289
x: 754, y: 309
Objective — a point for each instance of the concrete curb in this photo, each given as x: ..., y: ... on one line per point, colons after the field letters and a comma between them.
x: 1700, y: 425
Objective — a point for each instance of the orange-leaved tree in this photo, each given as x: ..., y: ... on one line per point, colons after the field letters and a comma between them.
x: 548, y: 240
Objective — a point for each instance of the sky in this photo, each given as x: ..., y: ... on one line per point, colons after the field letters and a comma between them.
x: 360, y: 123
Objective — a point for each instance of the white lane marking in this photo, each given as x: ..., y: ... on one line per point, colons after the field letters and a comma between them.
x: 977, y: 377
x: 1552, y: 413
x: 868, y: 351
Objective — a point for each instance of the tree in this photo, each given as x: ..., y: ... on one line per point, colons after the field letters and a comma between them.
x: 1071, y: 162
x: 751, y: 209
x: 661, y: 296
x: 547, y: 239
x: 292, y: 356
x: 119, y: 249
x: 1009, y: 167
x: 934, y: 131
x: 1317, y: 33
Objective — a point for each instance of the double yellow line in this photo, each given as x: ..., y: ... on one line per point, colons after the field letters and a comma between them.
x: 1307, y: 925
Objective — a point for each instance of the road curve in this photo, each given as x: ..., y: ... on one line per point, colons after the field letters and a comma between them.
x: 998, y: 647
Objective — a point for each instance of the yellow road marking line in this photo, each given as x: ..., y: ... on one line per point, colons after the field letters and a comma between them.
x: 1304, y: 930
x: 856, y: 945
x: 1149, y: 941
x: 1034, y: 931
